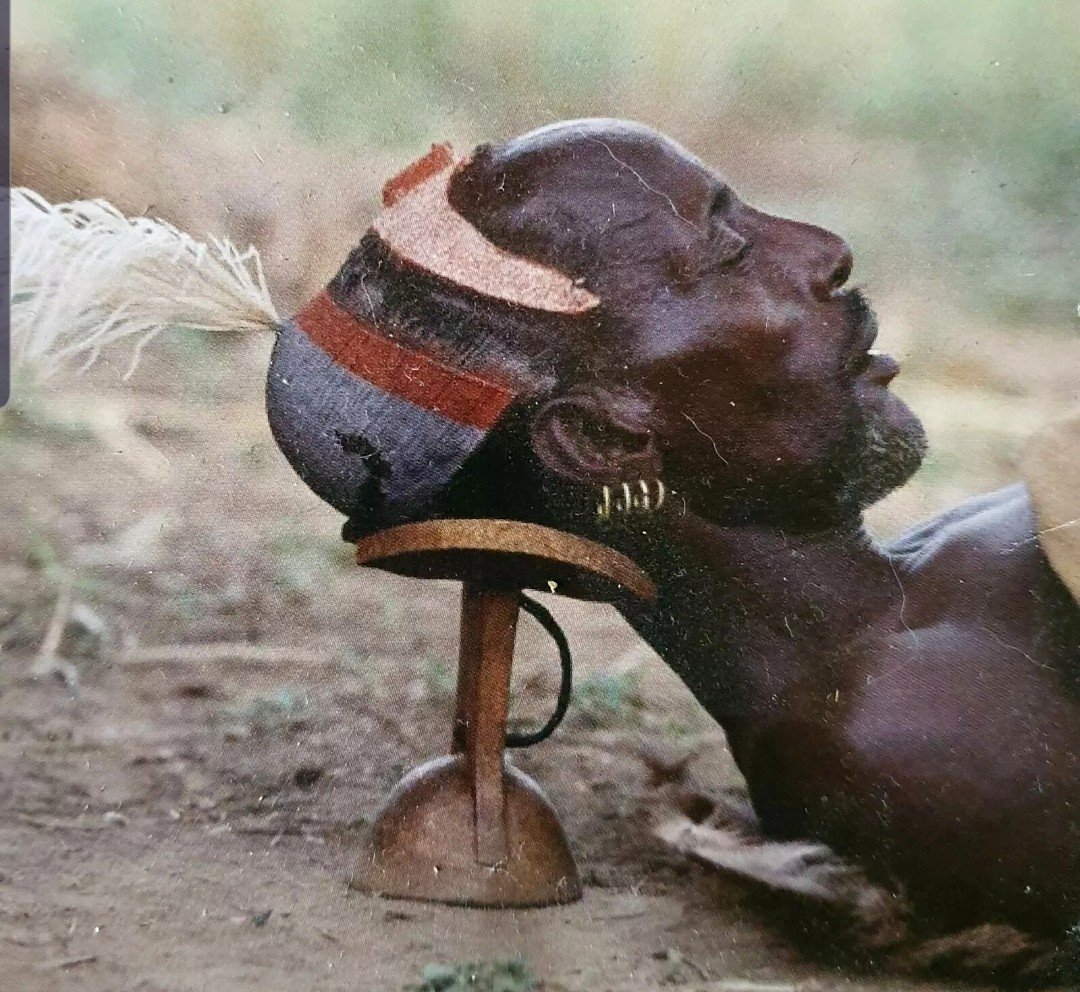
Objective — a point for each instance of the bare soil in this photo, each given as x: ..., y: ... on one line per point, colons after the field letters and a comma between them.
x: 184, y: 797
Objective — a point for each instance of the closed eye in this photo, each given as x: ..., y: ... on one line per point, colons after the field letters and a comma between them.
x: 743, y: 250
x: 726, y: 248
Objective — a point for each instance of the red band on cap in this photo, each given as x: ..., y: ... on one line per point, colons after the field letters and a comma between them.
x: 440, y: 157
x: 459, y: 396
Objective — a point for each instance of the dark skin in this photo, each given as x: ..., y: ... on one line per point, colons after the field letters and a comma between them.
x: 914, y: 706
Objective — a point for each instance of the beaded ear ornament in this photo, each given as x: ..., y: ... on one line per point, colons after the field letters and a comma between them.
x: 624, y: 498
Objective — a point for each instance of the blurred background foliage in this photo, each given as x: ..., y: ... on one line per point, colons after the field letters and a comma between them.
x: 976, y: 101
x: 942, y: 140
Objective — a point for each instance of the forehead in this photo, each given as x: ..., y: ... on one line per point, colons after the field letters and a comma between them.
x: 616, y: 160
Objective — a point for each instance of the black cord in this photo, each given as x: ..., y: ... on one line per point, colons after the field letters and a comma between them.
x: 543, y: 616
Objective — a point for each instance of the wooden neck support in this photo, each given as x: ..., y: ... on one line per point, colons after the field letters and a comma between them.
x: 467, y: 828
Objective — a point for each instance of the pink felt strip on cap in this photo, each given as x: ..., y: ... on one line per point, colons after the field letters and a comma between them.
x: 421, y: 228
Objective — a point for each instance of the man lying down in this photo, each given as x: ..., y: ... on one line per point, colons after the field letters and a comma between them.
x: 586, y: 328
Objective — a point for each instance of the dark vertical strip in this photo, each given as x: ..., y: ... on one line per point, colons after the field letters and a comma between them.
x: 5, y: 205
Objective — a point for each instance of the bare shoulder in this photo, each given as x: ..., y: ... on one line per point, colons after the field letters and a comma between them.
x: 983, y: 560
x: 976, y: 576
x: 988, y: 526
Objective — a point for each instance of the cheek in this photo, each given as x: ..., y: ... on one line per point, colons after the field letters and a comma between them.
x: 790, y: 424
x: 774, y: 399
x: 795, y: 410
x: 810, y: 422
x: 739, y: 433
x: 813, y: 401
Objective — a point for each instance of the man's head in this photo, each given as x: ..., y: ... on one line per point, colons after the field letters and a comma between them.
x: 726, y: 355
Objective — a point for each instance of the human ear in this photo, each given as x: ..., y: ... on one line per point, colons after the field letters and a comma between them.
x: 596, y: 435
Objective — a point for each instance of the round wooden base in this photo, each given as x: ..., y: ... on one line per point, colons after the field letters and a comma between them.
x: 425, y: 844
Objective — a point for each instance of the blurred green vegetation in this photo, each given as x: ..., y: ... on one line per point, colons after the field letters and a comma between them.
x: 969, y: 109
x: 610, y: 698
x: 283, y: 709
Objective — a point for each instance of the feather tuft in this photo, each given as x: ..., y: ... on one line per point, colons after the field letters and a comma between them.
x: 84, y: 276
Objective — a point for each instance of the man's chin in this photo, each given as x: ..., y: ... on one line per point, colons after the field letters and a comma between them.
x: 887, y: 448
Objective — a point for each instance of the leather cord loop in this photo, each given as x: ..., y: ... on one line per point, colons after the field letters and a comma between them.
x: 543, y: 616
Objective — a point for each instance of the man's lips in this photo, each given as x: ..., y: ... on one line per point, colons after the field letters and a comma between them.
x: 868, y: 363
x: 874, y: 366
x: 880, y: 368
x: 867, y: 333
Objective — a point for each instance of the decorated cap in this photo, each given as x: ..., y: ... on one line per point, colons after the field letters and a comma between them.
x: 378, y: 428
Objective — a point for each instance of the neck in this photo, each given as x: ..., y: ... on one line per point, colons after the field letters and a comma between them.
x: 748, y: 604
x: 746, y: 612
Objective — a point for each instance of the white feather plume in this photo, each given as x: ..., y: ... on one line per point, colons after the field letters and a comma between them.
x: 84, y: 276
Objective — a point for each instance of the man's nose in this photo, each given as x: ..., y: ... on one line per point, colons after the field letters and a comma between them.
x: 818, y: 260
x: 830, y: 262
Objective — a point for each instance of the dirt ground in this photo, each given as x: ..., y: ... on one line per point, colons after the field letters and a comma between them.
x: 186, y: 781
